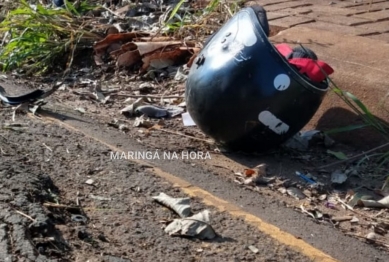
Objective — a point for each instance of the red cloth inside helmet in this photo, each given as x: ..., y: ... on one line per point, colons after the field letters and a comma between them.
x: 312, y: 68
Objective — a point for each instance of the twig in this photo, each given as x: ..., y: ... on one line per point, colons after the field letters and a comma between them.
x: 179, y: 134
x: 48, y: 148
x: 59, y: 206
x: 27, y: 216
x: 148, y: 96
x: 354, y: 157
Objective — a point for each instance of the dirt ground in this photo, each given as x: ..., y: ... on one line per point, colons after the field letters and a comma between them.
x: 127, y: 225
x: 64, y: 199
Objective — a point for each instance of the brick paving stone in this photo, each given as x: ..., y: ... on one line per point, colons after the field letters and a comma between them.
x: 342, y: 29
x: 274, y: 15
x: 380, y: 27
x: 381, y: 37
x: 291, y: 21
x: 296, y: 11
x: 359, y: 3
x: 375, y: 16
x: 266, y: 2
x: 374, y: 7
x: 280, y: 6
x: 339, y: 19
x: 332, y: 10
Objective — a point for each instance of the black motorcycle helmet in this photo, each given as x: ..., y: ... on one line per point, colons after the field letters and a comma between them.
x: 246, y: 94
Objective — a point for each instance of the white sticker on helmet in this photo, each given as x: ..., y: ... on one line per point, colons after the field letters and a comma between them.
x: 281, y: 82
x: 273, y: 123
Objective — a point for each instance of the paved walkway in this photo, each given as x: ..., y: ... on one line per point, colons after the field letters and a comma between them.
x: 352, y: 17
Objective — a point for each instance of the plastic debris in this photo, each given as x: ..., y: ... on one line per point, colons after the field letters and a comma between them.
x: 295, y: 192
x: 254, y: 249
x: 187, y: 119
x: 194, y: 226
x: 89, y: 182
x: 152, y: 111
x: 307, y: 179
x: 179, y: 205
x: 338, y: 177
x: 382, y: 203
x: 303, y: 140
x: 100, y: 198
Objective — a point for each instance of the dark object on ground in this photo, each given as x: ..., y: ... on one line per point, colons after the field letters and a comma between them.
x: 17, y: 100
x: 29, y: 97
x: 247, y: 95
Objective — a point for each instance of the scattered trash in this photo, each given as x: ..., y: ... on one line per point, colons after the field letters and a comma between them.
x: 354, y: 220
x: 179, y: 205
x: 194, y: 226
x: 187, y: 119
x: 330, y: 205
x: 322, y: 197
x: 123, y: 127
x: 249, y: 172
x: 141, y: 122
x: 382, y: 203
x: 295, y: 192
x: 130, y: 110
x: 254, y: 249
x: 282, y: 190
x: 89, y: 182
x: 357, y: 197
x: 152, y: 111
x: 81, y: 110
x: 303, y: 140
x: 307, y: 179
x: 100, y: 198
x: 371, y: 236
x: 79, y: 218
x: 338, y: 177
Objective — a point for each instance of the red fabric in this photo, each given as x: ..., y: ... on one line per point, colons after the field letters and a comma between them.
x: 284, y: 49
x: 307, y: 66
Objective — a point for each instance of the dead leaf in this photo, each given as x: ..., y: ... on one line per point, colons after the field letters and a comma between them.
x: 179, y: 205
x: 161, y: 59
x: 113, y: 38
x: 128, y: 58
x: 194, y: 226
x: 149, y: 47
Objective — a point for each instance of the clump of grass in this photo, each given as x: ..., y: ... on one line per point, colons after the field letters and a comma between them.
x: 183, y: 22
x: 36, y: 38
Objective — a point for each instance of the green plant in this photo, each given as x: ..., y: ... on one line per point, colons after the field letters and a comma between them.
x: 36, y: 38
x: 197, y: 23
x: 369, y: 120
